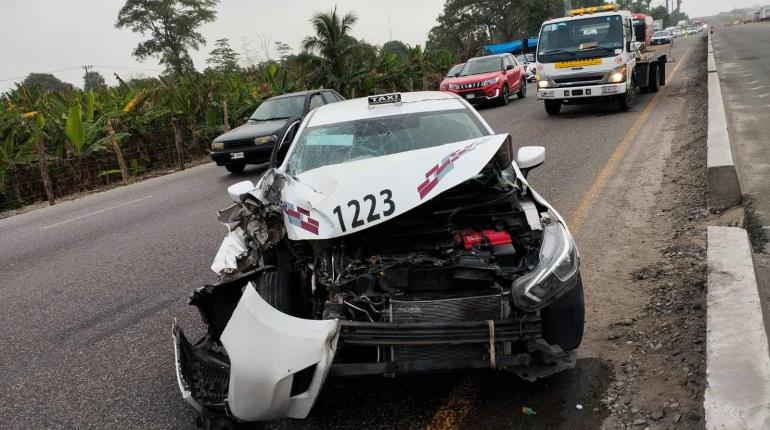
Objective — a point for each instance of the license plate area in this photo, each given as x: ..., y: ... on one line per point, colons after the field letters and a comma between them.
x: 236, y: 155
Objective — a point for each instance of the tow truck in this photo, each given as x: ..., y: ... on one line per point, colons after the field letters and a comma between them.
x: 597, y: 54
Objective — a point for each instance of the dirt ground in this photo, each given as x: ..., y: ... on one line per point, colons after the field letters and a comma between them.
x: 644, y: 262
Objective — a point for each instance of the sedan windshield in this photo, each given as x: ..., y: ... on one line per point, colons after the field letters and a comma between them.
x: 280, y: 108
x: 329, y: 144
x: 581, y: 38
x: 455, y: 70
x: 484, y: 65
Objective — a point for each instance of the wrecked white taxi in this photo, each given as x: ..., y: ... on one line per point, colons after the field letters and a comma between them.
x: 394, y: 234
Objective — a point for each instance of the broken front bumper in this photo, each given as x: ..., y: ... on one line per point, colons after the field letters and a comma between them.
x: 271, y: 365
x: 277, y: 364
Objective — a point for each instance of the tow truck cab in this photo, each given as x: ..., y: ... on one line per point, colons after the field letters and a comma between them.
x: 594, y: 54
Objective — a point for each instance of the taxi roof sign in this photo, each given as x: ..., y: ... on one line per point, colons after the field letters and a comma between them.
x: 384, y: 99
x: 589, y: 10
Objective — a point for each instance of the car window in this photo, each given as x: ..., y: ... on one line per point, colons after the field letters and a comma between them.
x: 330, y: 144
x: 315, y: 101
x: 484, y: 65
x: 329, y: 97
x: 279, y: 108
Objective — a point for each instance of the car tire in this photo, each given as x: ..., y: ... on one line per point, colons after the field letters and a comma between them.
x: 505, y: 96
x: 563, y: 320
x: 653, y: 84
x: 280, y: 290
x: 553, y: 107
x: 235, y: 169
x: 522, y: 89
x: 626, y: 101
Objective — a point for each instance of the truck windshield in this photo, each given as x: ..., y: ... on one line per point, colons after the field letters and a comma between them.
x: 580, y: 38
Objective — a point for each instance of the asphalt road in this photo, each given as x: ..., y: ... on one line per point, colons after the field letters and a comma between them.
x: 89, y: 289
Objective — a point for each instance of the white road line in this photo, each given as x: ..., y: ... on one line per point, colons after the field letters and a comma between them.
x: 763, y: 95
x: 758, y: 87
x: 95, y: 212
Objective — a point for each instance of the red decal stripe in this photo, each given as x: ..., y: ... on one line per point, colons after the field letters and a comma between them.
x: 309, y: 227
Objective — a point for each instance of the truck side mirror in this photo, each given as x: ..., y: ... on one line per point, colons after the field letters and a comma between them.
x: 529, y: 157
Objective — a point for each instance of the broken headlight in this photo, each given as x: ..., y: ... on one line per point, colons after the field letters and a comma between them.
x: 558, y: 265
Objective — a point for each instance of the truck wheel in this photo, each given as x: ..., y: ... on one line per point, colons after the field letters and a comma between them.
x: 280, y: 290
x: 563, y: 319
x: 653, y: 78
x: 235, y: 169
x: 662, y: 74
x: 505, y: 96
x: 626, y: 101
x: 553, y: 107
x: 523, y: 89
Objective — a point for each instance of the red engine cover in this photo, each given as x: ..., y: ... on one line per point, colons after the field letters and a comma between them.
x: 471, y: 239
x: 496, y: 237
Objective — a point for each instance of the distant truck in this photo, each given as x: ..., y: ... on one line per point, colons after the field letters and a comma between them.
x: 596, y: 54
x: 682, y: 23
x: 657, y: 25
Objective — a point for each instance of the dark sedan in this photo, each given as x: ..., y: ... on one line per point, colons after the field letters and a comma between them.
x: 253, y: 142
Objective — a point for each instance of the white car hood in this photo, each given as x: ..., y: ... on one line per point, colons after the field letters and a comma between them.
x: 314, y: 201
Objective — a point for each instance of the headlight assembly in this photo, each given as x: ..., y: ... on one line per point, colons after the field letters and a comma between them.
x: 553, y: 275
x: 618, y: 75
x: 265, y: 139
x: 217, y: 145
x: 490, y: 81
x: 542, y: 82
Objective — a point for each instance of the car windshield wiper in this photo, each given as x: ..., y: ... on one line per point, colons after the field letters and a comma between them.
x: 558, y: 51
x: 269, y: 119
x: 603, y: 48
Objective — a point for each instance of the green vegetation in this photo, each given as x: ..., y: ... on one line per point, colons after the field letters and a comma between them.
x: 56, y: 139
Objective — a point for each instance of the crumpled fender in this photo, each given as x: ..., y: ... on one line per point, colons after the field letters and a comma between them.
x: 266, y: 349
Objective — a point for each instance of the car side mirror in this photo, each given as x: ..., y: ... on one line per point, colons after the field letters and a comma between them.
x: 285, y: 137
x: 509, y: 67
x: 529, y: 157
x: 237, y: 190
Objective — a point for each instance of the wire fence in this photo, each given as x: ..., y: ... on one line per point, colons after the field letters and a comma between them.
x: 144, y: 153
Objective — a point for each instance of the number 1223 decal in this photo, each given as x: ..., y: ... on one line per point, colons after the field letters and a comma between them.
x: 355, y: 206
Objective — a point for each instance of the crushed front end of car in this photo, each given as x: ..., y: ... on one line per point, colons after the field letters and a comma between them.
x: 481, y: 274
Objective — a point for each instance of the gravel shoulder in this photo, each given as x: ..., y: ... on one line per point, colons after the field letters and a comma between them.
x: 644, y: 260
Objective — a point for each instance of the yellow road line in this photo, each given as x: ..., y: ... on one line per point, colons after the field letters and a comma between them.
x: 589, y: 199
x: 458, y: 404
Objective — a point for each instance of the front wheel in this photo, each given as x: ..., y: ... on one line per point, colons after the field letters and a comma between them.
x: 626, y: 101
x: 553, y: 107
x: 563, y: 319
x: 522, y: 89
x: 505, y: 97
x: 235, y: 169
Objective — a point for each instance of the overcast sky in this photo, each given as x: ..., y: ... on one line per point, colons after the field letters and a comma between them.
x: 52, y: 35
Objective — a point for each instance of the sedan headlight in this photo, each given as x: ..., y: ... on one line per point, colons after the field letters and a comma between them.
x: 492, y: 81
x: 265, y: 139
x: 217, y: 145
x: 553, y: 275
x: 454, y: 86
x: 618, y: 75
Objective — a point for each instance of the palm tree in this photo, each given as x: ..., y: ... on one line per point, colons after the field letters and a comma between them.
x: 332, y: 43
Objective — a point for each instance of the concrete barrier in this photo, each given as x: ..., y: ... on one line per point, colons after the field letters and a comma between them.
x: 737, y: 358
x: 723, y: 187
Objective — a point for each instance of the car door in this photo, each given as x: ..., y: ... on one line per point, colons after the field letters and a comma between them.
x: 513, y: 80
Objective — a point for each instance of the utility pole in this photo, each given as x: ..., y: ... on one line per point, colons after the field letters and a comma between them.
x: 567, y: 7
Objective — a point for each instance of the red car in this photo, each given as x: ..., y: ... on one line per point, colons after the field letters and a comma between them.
x: 489, y: 78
